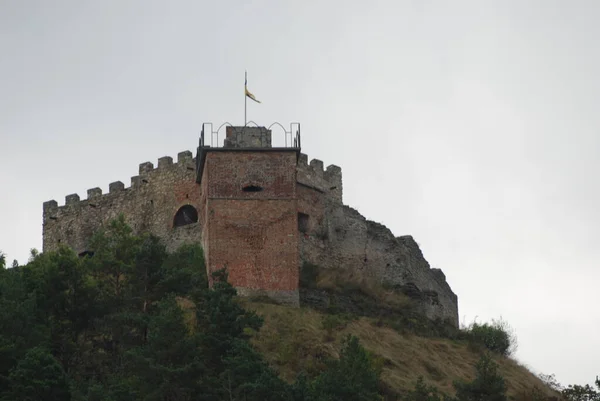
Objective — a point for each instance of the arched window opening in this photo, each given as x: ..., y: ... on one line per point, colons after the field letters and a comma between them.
x: 185, y: 215
x: 252, y: 188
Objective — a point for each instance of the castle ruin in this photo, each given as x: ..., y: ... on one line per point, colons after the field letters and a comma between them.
x: 258, y: 210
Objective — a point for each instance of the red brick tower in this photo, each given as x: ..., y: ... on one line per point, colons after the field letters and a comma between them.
x: 249, y: 212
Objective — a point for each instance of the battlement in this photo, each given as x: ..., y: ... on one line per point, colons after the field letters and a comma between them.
x: 314, y: 175
x: 146, y: 171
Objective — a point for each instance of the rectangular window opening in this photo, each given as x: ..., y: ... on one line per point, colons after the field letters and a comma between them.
x: 302, y: 222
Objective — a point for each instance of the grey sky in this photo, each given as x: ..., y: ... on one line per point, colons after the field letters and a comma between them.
x: 471, y: 125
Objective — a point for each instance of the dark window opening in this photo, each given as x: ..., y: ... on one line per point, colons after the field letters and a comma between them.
x: 252, y: 188
x: 185, y: 215
x: 303, y: 222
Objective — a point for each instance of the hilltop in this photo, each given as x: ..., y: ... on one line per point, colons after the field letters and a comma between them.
x: 134, y: 321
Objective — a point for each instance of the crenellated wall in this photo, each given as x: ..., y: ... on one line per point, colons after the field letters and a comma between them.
x: 264, y: 237
x: 312, y: 175
x: 149, y: 205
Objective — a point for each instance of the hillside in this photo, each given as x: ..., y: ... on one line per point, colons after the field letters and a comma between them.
x: 133, y: 321
x: 293, y: 340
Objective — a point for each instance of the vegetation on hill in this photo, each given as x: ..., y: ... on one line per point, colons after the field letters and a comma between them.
x: 134, y: 322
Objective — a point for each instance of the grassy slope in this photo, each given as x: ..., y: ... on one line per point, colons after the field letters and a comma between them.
x: 294, y: 339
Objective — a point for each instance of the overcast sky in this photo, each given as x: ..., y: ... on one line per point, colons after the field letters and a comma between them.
x: 471, y: 125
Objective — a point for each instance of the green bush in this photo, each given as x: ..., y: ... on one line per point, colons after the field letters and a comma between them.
x: 488, y: 385
x: 496, y: 337
x: 352, y: 377
x: 423, y: 392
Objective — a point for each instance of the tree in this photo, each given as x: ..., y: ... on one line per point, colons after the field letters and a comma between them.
x: 38, y: 377
x: 351, y: 378
x: 422, y: 392
x: 20, y: 326
x: 301, y: 389
x: 582, y: 393
x: 64, y: 299
x: 488, y: 384
x: 183, y: 271
x: 246, y: 376
x: 234, y: 370
x: 169, y: 366
x: 222, y: 320
x: 2, y: 260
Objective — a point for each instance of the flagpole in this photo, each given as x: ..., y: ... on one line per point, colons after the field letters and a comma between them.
x: 245, y: 97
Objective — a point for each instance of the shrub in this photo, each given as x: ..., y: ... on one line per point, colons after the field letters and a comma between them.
x: 488, y: 385
x: 423, y: 392
x: 497, y: 337
x: 353, y: 377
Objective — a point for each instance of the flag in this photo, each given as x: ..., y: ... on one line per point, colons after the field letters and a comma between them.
x: 248, y: 94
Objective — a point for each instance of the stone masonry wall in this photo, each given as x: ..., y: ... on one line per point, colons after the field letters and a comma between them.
x: 338, y: 236
x: 149, y: 205
x: 327, y: 182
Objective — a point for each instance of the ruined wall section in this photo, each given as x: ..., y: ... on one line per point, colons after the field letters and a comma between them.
x: 338, y: 236
x: 149, y: 205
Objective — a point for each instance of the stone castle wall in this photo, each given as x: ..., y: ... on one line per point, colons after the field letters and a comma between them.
x: 324, y: 231
x: 337, y: 236
x: 149, y: 205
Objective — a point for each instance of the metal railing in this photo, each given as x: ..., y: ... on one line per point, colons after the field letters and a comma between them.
x: 291, y: 137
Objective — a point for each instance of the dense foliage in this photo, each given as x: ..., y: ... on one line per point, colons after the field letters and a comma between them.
x: 133, y: 322
x: 582, y: 393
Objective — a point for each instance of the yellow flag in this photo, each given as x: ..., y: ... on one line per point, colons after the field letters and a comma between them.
x: 250, y: 95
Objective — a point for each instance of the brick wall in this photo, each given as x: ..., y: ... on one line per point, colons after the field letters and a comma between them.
x: 253, y: 234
